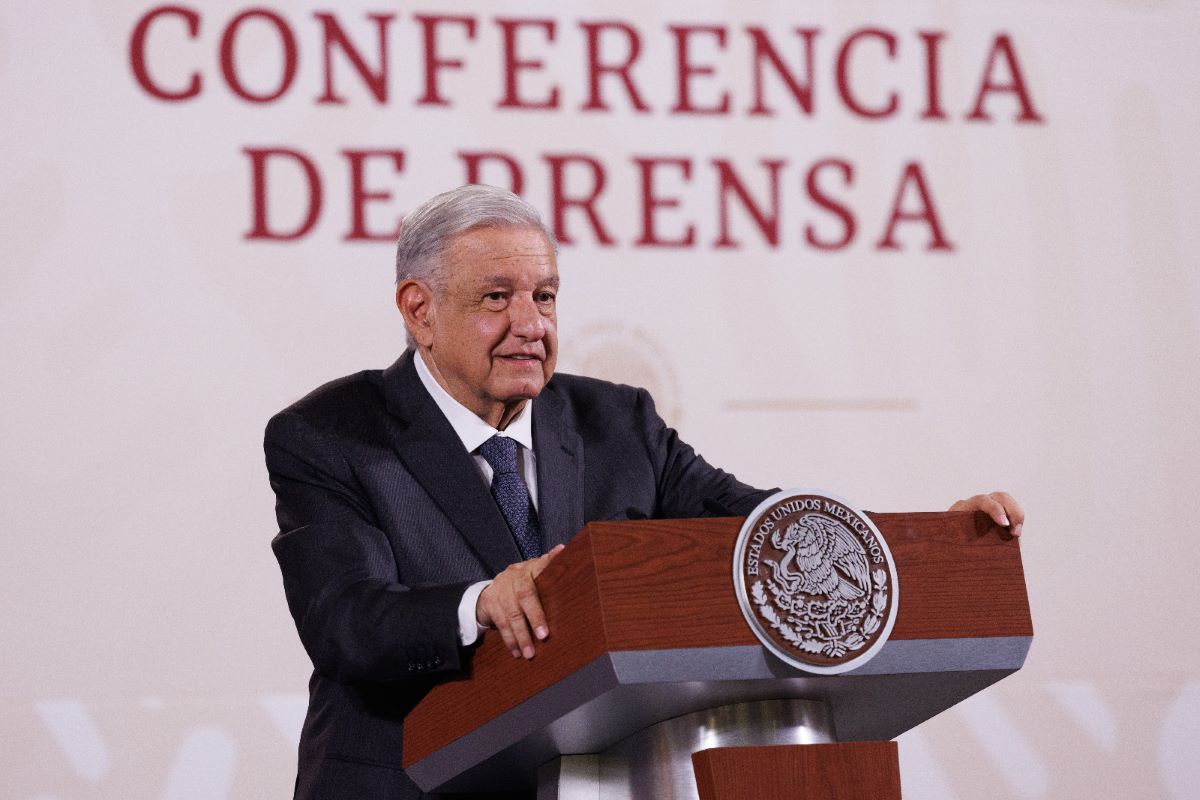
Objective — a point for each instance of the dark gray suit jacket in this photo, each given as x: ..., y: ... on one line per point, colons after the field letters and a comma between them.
x: 384, y: 521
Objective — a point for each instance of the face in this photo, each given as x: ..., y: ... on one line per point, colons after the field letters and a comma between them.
x: 490, y: 338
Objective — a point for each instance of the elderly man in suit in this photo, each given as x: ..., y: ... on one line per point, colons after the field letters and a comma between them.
x: 418, y: 504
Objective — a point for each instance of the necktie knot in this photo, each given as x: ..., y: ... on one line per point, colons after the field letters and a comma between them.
x: 500, y: 452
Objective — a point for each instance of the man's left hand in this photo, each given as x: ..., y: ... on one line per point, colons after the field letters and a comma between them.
x: 1000, y: 506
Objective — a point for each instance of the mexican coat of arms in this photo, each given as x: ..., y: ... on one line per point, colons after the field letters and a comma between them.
x: 816, y: 581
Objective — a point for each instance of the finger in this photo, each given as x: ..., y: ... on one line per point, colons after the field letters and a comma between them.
x: 531, y: 603
x: 529, y: 615
x: 987, y: 503
x: 1015, y: 513
x: 517, y: 587
x: 994, y: 509
x: 538, y: 564
x: 520, y: 632
x: 531, y: 606
x: 510, y: 641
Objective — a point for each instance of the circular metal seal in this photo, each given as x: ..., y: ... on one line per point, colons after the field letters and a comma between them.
x: 816, y: 581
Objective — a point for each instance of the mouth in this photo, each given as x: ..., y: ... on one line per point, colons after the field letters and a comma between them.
x: 521, y: 358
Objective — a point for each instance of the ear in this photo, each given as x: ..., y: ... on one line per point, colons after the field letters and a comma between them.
x: 415, y: 301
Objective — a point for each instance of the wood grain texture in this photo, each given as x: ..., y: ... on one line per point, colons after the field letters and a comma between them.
x: 662, y: 584
x: 960, y: 576
x: 496, y: 682
x: 666, y: 585
x: 852, y: 771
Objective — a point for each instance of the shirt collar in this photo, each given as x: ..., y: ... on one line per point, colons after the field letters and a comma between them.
x: 472, y: 430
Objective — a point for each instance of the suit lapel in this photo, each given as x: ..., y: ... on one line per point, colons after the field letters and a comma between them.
x: 434, y: 455
x: 559, y: 451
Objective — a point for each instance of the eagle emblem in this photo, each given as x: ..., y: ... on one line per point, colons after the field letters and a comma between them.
x: 822, y: 558
x: 816, y: 581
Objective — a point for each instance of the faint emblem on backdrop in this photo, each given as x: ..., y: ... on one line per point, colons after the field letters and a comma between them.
x: 816, y: 581
x: 629, y: 355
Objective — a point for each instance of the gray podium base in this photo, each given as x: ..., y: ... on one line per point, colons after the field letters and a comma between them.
x: 656, y: 763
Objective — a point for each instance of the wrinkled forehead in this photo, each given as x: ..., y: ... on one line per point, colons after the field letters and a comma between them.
x: 516, y: 255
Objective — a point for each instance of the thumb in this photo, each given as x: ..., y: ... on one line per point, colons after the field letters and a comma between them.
x: 547, y: 557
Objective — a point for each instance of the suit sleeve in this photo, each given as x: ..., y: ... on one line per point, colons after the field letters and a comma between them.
x: 685, y: 480
x: 356, y: 620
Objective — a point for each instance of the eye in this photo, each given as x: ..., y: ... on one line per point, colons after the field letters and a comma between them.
x: 545, y: 297
x: 496, y: 297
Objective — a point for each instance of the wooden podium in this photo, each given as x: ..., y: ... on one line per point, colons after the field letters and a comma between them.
x: 650, y: 660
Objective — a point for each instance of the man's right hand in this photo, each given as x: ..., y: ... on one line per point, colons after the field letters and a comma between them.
x: 510, y: 604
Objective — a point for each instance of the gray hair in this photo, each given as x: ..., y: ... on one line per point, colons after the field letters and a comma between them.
x: 427, y: 230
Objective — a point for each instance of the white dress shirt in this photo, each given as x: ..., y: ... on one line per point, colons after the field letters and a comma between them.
x: 473, y: 432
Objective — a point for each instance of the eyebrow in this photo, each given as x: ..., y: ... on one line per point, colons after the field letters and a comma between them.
x: 506, y: 282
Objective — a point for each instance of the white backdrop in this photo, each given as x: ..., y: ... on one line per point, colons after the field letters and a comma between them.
x: 1049, y: 346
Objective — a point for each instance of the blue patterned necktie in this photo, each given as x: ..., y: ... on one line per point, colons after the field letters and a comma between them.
x: 512, y: 495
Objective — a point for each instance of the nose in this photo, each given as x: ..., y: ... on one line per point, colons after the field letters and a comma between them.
x: 525, y: 319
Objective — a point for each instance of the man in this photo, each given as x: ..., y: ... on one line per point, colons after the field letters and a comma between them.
x: 401, y: 492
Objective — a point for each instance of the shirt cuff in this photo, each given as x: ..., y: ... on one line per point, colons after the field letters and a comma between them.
x: 469, y: 628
